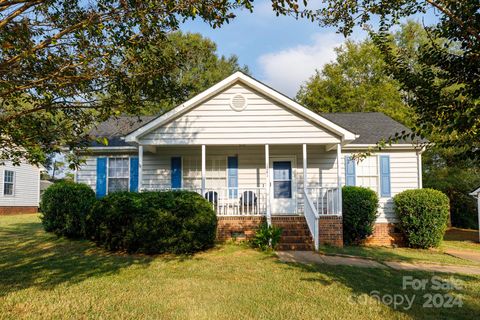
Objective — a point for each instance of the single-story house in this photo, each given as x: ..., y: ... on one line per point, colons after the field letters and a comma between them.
x: 20, y: 188
x: 258, y: 156
x: 476, y: 194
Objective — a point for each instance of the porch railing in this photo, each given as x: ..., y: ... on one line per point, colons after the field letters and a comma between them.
x: 230, y: 201
x: 324, y: 200
x: 237, y: 201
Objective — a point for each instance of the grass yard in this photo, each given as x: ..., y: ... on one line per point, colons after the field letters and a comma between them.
x: 44, y: 277
x: 459, y: 239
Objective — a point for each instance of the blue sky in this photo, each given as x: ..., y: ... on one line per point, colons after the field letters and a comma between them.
x: 280, y: 51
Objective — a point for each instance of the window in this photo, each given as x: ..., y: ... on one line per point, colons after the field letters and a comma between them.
x: 118, y: 174
x: 367, y: 173
x: 8, y: 179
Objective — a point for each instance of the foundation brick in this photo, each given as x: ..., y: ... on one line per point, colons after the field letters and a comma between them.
x: 17, y: 210
x: 385, y: 234
x: 330, y: 230
x: 231, y: 227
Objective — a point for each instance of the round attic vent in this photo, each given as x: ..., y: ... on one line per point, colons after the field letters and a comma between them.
x: 238, y: 102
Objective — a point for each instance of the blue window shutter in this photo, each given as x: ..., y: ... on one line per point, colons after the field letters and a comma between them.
x: 134, y: 174
x: 349, y: 171
x: 176, y: 172
x: 232, y: 177
x: 385, y: 176
x: 101, y: 177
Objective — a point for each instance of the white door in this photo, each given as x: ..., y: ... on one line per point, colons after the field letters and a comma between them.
x: 283, y: 190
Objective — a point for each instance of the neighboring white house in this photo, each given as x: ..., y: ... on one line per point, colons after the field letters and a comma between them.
x: 20, y: 188
x: 476, y: 194
x: 254, y: 152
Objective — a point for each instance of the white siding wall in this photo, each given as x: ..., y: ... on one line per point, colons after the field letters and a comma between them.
x: 403, y: 176
x: 263, y: 121
x: 26, y: 186
x: 322, y: 169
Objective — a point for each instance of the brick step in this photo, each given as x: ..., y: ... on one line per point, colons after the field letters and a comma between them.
x: 295, y: 239
x: 303, y: 221
x: 294, y: 246
x: 291, y: 227
x: 300, y: 232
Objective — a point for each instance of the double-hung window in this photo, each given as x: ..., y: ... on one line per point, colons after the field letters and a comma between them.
x: 367, y: 173
x: 372, y: 172
x: 8, y: 182
x: 118, y: 174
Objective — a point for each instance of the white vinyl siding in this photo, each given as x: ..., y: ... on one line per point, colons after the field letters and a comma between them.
x: 25, y: 187
x: 322, y: 169
x: 403, y: 176
x: 214, y: 122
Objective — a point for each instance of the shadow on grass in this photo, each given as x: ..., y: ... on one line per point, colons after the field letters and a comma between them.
x: 387, y: 253
x: 29, y: 257
x: 369, y: 282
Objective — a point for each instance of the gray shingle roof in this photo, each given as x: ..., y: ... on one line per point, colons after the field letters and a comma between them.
x: 114, y: 129
x: 371, y: 126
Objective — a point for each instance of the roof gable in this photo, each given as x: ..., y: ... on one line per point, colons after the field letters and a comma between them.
x: 240, y: 78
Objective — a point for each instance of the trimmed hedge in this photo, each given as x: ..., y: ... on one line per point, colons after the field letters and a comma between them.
x: 153, y: 222
x: 423, y: 215
x: 359, y: 213
x: 64, y: 206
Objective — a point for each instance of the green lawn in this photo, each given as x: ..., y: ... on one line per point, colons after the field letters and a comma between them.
x: 459, y: 239
x: 44, y: 277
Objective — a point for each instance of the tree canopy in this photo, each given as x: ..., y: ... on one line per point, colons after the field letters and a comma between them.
x: 67, y: 64
x: 356, y: 82
x: 201, y: 68
x: 444, y: 87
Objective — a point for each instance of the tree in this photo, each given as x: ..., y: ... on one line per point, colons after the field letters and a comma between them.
x: 65, y: 65
x: 201, y: 69
x: 444, y: 89
x: 444, y: 172
x: 356, y: 82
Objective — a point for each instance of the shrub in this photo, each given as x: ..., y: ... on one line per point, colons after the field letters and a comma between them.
x: 359, y: 213
x: 153, y: 222
x: 266, y: 237
x: 64, y: 206
x: 423, y: 215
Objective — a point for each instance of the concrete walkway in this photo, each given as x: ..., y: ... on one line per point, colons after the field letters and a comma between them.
x: 310, y: 257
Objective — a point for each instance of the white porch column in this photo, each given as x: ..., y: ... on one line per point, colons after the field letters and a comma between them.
x: 204, y: 170
x: 305, y: 181
x: 339, y: 177
x: 267, y: 183
x: 419, y: 167
x: 140, y: 167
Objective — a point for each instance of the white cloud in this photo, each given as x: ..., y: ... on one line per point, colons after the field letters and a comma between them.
x: 287, y: 69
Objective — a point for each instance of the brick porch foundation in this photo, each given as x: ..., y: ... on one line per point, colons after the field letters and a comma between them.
x: 385, y: 234
x: 237, y: 227
x: 17, y: 210
x: 330, y: 230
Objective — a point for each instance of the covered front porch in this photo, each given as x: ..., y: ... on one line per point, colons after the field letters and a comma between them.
x: 253, y: 180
